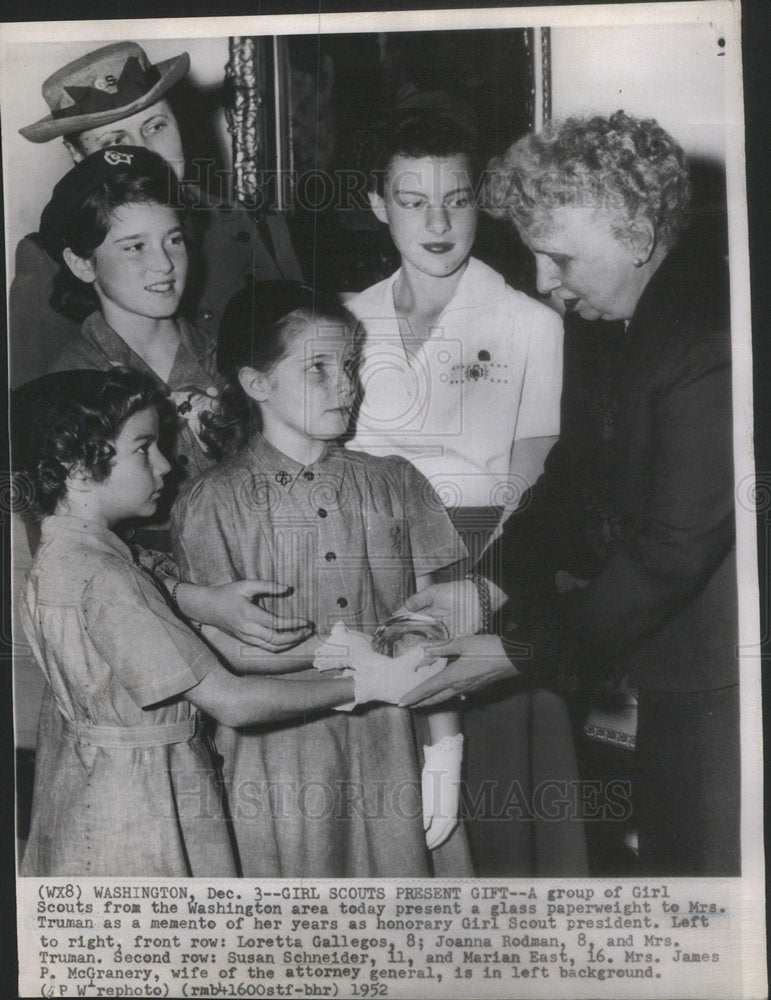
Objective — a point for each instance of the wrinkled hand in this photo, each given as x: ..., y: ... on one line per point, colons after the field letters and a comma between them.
x: 455, y: 603
x: 440, y: 788
x: 480, y: 660
x: 230, y: 608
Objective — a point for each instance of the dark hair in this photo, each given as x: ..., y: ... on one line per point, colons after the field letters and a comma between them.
x: 256, y: 329
x: 414, y: 133
x: 71, y: 419
x: 86, y: 227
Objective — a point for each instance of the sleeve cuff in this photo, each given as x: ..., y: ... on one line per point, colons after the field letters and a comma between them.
x: 536, y: 652
x: 147, y: 695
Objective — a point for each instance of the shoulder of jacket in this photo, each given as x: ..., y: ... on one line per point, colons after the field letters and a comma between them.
x: 395, y: 470
x: 29, y: 250
x: 79, y: 352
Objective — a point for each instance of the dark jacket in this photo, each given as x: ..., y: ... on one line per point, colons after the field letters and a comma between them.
x: 227, y: 245
x: 637, y: 498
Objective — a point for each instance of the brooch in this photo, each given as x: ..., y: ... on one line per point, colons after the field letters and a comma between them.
x: 476, y: 372
x: 190, y: 404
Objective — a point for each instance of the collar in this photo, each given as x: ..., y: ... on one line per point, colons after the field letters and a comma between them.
x: 329, y: 466
x: 197, y: 341
x: 87, y: 532
x: 479, y: 285
x: 98, y: 331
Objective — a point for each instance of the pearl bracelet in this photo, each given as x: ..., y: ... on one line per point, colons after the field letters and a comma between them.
x: 485, y: 604
x: 174, y: 601
x: 175, y: 606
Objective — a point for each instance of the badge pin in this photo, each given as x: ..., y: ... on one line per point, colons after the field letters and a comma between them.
x: 115, y: 159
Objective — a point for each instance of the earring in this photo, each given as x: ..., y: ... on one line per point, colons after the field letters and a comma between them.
x: 638, y: 262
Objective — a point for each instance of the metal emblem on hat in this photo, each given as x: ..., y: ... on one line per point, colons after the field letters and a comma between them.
x: 102, y: 87
x: 115, y: 159
x: 106, y: 82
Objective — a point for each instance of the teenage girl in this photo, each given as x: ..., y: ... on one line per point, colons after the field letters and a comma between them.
x: 461, y: 374
x: 131, y: 787
x: 114, y: 224
x: 334, y: 794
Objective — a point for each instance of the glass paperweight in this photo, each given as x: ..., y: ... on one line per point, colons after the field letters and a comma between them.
x: 400, y: 632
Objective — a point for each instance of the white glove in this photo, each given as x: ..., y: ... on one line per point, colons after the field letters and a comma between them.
x: 440, y: 787
x: 341, y: 648
x: 375, y: 677
x: 380, y: 678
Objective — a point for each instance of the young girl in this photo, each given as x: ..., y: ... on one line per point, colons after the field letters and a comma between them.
x: 131, y: 788
x: 333, y: 795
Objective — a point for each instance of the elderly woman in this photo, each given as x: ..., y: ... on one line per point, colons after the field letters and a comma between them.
x: 623, y: 561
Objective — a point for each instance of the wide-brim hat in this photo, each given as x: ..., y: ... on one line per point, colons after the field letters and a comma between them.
x: 102, y: 87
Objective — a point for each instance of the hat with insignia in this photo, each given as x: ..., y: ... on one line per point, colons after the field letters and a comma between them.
x: 88, y: 176
x: 102, y: 87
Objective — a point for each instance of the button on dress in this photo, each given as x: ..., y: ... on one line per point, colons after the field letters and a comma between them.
x: 333, y: 794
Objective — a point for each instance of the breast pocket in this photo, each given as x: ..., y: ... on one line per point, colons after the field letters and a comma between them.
x: 386, y: 536
x: 390, y: 560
